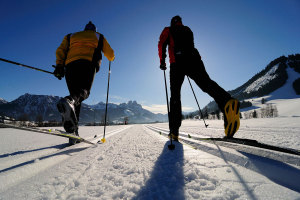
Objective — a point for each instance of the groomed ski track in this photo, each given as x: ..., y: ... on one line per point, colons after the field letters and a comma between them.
x: 135, y: 163
x: 196, y: 142
x: 44, y: 158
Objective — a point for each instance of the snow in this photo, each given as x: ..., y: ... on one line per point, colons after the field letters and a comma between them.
x: 135, y: 163
x: 2, y: 101
x: 285, y: 98
x: 259, y: 83
x: 287, y: 91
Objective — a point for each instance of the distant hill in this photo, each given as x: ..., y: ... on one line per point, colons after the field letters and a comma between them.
x: 43, y: 107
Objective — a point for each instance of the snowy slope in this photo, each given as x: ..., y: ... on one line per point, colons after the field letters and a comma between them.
x: 287, y: 91
x: 135, y: 163
x: 285, y: 98
x: 276, y: 81
x: 262, y: 81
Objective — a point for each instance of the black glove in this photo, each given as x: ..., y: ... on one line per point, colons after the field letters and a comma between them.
x: 97, y: 68
x: 163, y: 66
x: 59, y: 71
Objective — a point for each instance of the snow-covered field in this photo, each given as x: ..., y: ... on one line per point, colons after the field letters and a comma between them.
x: 135, y: 163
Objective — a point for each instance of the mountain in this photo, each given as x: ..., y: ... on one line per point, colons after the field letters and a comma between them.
x: 30, y: 107
x: 37, y: 107
x: 279, y: 80
x: 2, y: 101
x: 131, y: 110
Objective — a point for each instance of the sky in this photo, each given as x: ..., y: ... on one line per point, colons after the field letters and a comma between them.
x: 236, y: 39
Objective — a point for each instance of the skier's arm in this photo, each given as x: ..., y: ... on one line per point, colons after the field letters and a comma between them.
x: 61, y: 52
x: 107, y: 50
x: 162, y: 45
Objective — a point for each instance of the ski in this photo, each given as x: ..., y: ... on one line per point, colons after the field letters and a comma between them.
x: 249, y: 142
x: 48, y: 132
x: 227, y: 141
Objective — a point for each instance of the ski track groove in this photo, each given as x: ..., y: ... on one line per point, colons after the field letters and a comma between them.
x: 34, y: 161
x: 264, y: 134
x: 88, y: 164
x: 251, y: 162
x: 279, y: 156
x: 115, y: 161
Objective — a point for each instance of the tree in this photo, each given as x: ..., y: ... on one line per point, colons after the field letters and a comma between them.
x: 275, y: 112
x: 218, y: 114
x: 39, y: 119
x: 296, y: 86
x: 254, y: 114
x: 23, y: 117
x: 205, y: 114
x: 126, y: 119
x: 264, y: 112
x: 102, y: 120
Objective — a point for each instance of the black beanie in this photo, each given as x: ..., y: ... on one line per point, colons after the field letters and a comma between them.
x: 175, y: 19
x: 90, y: 26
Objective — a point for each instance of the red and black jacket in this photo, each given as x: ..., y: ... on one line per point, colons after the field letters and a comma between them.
x: 180, y: 40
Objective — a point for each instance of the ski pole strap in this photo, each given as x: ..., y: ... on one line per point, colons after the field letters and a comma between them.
x: 22, y: 65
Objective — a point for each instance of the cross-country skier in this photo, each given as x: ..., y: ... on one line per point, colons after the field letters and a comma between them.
x: 78, y: 58
x: 186, y: 60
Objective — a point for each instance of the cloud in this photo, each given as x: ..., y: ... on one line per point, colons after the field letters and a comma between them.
x: 158, y: 108
x: 118, y: 99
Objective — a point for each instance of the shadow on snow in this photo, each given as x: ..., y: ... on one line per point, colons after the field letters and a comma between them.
x: 167, y: 179
x: 276, y: 171
x: 59, y: 146
x: 66, y: 152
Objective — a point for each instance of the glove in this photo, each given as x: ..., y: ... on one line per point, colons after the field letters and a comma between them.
x: 163, y: 66
x: 59, y: 71
x: 97, y: 68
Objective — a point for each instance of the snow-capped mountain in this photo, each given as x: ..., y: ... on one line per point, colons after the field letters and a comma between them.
x: 131, y: 110
x: 33, y: 107
x: 273, y: 77
x: 30, y: 107
x: 2, y: 101
x: 279, y: 80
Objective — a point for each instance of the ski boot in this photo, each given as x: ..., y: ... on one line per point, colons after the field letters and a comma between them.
x: 175, y: 136
x: 73, y: 141
x: 231, y: 117
x: 67, y: 110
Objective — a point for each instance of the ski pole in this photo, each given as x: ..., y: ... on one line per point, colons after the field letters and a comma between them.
x: 103, y: 139
x: 22, y: 65
x: 171, y: 146
x: 206, y: 125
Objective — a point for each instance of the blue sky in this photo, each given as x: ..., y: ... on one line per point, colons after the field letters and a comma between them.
x: 236, y: 39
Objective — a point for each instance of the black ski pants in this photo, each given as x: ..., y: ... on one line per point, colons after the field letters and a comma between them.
x: 191, y: 65
x: 79, y: 77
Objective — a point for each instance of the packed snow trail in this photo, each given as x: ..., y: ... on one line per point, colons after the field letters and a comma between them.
x: 26, y: 153
x: 136, y: 164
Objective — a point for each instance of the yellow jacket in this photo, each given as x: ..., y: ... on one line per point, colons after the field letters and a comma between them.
x: 82, y: 46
